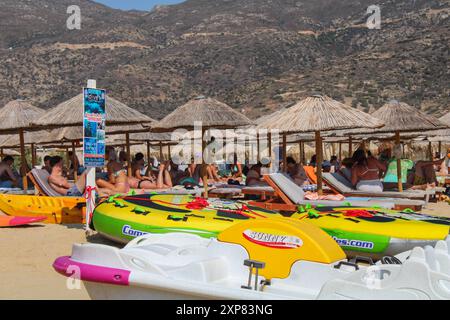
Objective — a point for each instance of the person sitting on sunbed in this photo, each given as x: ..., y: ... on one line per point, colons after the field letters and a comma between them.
x: 296, y: 172
x: 346, y: 168
x: 60, y: 184
x: 117, y: 178
x: 7, y: 177
x: 254, y: 177
x: 423, y: 175
x: 444, y: 166
x: 46, y: 165
x: 366, y: 172
x: 235, y: 171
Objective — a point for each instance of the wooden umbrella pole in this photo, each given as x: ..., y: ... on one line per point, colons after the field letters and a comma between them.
x: 440, y: 148
x: 300, y: 153
x: 399, y: 164
x: 75, y: 163
x: 350, y: 147
x: 127, y: 140
x: 148, y: 153
x: 257, y: 148
x: 269, y: 144
x: 161, y: 155
x: 319, y: 157
x: 33, y: 156
x: 204, y: 170
x: 430, y: 151
x: 23, y: 160
x: 168, y: 152
x: 284, y: 153
x: 340, y: 151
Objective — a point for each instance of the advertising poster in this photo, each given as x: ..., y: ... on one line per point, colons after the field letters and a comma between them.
x: 94, y: 127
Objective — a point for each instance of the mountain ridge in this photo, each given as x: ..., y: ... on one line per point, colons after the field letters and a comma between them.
x: 256, y: 55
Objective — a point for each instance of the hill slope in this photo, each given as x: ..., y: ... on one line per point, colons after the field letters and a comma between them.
x: 253, y: 54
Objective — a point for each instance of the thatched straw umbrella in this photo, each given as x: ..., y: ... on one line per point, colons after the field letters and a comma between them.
x: 445, y: 119
x: 315, y: 114
x: 401, y: 117
x: 211, y: 113
x: 16, y: 117
x: 120, y: 117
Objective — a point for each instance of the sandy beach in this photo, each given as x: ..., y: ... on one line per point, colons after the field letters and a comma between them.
x: 27, y: 254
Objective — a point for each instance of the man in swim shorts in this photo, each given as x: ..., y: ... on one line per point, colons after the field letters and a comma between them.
x: 60, y: 184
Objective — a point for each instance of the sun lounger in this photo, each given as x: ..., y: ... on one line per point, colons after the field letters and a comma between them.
x: 291, y: 195
x: 39, y: 177
x: 15, y: 191
x: 340, y: 184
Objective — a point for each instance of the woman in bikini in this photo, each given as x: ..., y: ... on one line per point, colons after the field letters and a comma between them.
x: 160, y: 181
x: 366, y: 172
x: 117, y: 180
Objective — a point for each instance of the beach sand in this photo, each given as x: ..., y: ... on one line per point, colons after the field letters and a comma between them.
x: 27, y: 254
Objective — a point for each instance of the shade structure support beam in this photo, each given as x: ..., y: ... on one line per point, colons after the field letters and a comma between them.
x: 33, y: 156
x: 440, y: 148
x: 399, y: 164
x: 148, y: 153
x: 430, y: 151
x: 350, y: 147
x: 204, y: 168
x: 284, y: 152
x: 74, y: 162
x: 128, y: 151
x: 23, y: 160
x: 319, y: 157
x: 269, y: 145
x: 340, y: 151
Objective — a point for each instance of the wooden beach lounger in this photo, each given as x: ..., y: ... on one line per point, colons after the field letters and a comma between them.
x: 289, y: 196
x: 340, y: 184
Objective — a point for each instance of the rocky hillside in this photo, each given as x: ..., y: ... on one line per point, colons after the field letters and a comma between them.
x: 256, y: 55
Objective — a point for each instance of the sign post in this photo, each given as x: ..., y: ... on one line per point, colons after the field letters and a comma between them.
x: 94, y: 119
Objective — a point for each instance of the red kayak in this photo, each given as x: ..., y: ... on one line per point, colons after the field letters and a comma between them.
x: 10, y: 221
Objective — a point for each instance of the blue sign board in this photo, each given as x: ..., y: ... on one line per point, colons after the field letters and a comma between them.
x: 94, y: 119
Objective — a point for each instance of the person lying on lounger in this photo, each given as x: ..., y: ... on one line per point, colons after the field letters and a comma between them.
x: 155, y: 180
x: 60, y: 184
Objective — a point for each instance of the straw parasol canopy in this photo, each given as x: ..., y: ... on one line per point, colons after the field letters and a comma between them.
x: 445, y: 119
x: 70, y: 113
x: 120, y: 118
x: 401, y: 117
x: 318, y: 113
x: 210, y: 112
x: 16, y: 116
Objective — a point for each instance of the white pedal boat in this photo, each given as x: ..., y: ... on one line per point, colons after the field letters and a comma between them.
x: 286, y: 262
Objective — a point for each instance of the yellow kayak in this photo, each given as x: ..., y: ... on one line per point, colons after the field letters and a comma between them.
x: 57, y: 210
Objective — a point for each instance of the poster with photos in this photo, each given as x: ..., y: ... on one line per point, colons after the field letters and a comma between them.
x: 94, y: 120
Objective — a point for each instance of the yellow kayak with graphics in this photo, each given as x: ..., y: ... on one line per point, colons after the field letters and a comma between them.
x: 57, y: 210
x: 367, y: 231
x: 376, y: 231
x: 124, y: 218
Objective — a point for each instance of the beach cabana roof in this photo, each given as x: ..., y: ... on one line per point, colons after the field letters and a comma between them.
x: 70, y: 113
x: 210, y: 112
x: 445, y: 119
x: 320, y: 113
x: 18, y: 114
x: 401, y: 117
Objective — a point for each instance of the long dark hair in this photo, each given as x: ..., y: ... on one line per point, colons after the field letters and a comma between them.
x: 359, y: 157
